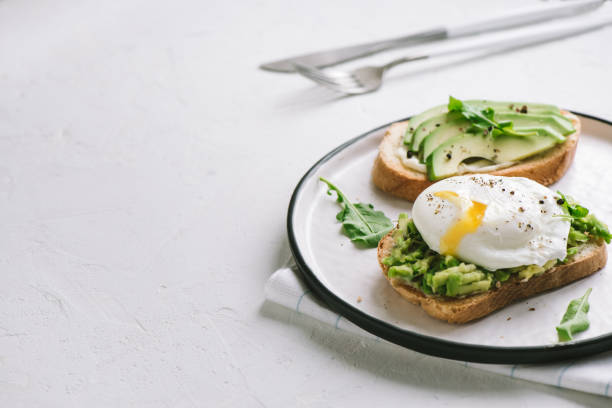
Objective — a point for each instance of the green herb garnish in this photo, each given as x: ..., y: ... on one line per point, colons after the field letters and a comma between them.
x: 583, y: 223
x: 360, y: 222
x: 484, y: 120
x: 575, y: 318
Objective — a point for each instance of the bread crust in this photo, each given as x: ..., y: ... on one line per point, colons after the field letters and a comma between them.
x: 591, y: 258
x: 391, y: 176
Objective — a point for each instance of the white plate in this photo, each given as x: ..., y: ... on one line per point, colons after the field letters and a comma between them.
x: 340, y: 273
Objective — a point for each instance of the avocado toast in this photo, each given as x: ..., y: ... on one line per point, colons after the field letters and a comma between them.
x: 477, y: 243
x: 589, y: 258
x: 440, y: 143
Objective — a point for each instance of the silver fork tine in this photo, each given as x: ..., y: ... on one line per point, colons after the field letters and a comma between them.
x: 347, y: 84
x: 319, y: 74
x: 345, y: 80
x: 328, y: 74
x: 333, y: 74
x: 331, y: 85
x: 315, y: 75
x: 328, y: 85
x: 322, y: 80
x: 348, y: 81
x: 309, y: 75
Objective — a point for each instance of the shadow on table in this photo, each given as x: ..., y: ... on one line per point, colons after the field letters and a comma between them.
x: 403, y: 366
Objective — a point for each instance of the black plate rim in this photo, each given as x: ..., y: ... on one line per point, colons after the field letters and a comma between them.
x: 429, y: 344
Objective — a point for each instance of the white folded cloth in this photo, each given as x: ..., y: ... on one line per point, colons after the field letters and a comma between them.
x: 592, y: 374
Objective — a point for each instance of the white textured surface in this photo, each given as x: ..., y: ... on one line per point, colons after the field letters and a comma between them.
x: 145, y: 170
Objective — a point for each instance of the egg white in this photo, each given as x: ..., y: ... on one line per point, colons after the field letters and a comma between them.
x: 521, y: 224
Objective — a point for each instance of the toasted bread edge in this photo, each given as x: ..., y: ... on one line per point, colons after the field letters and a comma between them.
x: 591, y: 258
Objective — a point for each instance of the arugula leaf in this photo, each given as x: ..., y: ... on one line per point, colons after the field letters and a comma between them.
x: 484, y: 120
x: 575, y: 318
x: 571, y: 207
x: 360, y: 222
x: 582, y: 222
x: 597, y: 228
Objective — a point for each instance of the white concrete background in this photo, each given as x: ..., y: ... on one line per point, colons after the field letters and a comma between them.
x: 145, y: 170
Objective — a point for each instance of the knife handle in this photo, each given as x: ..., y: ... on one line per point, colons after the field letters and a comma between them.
x: 435, y: 34
x: 509, y: 44
x: 333, y: 57
x: 523, y: 17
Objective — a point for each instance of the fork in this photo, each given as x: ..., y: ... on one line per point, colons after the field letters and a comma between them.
x: 369, y: 78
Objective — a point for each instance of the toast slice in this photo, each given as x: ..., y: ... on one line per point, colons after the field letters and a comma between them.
x: 391, y: 176
x: 591, y: 258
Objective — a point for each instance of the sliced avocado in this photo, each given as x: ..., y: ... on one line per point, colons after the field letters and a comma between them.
x: 555, y: 126
x: 533, y: 108
x: 418, y: 129
x: 445, y: 159
x: 431, y: 125
x: 441, y: 135
x: 529, y: 108
x: 407, y: 136
x: 520, y: 121
x: 546, y: 131
x: 416, y: 120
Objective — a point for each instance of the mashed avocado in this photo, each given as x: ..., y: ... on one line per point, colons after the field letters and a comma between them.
x: 413, y: 263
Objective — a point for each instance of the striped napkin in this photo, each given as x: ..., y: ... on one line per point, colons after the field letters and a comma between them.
x: 592, y: 374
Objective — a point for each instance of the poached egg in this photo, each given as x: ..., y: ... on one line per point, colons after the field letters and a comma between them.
x: 492, y: 221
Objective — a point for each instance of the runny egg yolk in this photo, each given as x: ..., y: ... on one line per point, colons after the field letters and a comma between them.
x: 469, y: 221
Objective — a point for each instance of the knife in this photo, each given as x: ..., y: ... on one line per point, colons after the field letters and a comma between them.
x: 516, y: 19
